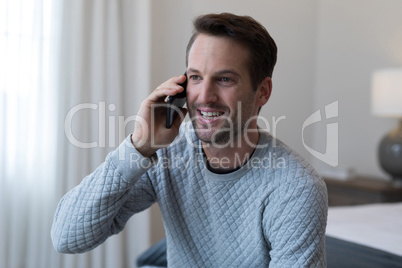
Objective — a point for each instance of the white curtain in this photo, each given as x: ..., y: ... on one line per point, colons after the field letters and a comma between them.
x: 27, y: 139
x: 72, y: 73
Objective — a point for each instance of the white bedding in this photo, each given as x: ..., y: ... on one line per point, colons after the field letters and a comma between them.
x: 376, y: 225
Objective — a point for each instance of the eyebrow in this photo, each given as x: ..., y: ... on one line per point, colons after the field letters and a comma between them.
x: 221, y: 72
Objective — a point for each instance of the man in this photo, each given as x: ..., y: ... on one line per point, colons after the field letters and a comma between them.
x: 230, y: 194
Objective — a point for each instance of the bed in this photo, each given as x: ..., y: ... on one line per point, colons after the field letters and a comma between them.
x: 365, y: 236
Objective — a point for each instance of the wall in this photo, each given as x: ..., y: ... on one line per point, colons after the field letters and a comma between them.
x: 354, y: 39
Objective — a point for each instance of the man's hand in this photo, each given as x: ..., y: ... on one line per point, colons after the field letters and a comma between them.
x: 150, y: 132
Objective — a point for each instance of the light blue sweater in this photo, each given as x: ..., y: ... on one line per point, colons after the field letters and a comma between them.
x: 271, y: 212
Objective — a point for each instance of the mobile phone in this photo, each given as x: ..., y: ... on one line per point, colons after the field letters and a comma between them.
x: 175, y: 103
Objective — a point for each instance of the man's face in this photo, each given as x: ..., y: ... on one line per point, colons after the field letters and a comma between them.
x: 220, y: 98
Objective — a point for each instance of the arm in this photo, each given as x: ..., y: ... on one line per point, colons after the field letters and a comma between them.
x: 295, y: 221
x: 103, y: 202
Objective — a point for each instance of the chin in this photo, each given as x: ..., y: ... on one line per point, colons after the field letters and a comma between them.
x: 213, y: 138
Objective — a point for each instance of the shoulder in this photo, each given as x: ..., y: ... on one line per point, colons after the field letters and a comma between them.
x: 287, y: 169
x: 298, y: 192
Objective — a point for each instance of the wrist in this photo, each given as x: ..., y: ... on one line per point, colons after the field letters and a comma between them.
x: 147, y: 152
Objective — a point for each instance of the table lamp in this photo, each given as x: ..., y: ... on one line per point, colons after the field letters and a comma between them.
x: 386, y: 101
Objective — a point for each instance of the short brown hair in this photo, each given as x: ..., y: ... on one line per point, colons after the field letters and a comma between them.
x: 246, y: 30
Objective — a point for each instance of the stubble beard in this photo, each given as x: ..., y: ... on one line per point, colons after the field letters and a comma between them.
x: 230, y: 130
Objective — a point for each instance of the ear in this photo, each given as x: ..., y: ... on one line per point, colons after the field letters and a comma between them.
x: 264, y: 91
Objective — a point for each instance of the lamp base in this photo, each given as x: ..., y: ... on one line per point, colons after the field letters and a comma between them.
x: 390, y: 153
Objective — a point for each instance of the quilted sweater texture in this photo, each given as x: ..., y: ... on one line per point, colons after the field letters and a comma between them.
x: 270, y: 213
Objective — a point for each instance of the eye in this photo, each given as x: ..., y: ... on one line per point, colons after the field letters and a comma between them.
x: 194, y: 77
x: 226, y: 81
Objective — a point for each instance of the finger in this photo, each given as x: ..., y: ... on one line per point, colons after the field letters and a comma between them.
x: 174, y: 82
x: 159, y: 94
x: 169, y: 88
x: 178, y: 79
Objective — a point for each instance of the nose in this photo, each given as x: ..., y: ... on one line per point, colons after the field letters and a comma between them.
x: 207, y: 92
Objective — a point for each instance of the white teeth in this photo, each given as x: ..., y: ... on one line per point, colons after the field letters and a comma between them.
x: 210, y: 115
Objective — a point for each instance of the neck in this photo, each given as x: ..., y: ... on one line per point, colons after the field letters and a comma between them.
x: 233, y: 155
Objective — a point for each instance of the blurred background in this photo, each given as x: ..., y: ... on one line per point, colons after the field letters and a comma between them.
x: 73, y: 74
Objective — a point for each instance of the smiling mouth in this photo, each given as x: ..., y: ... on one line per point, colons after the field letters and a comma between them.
x: 210, y: 115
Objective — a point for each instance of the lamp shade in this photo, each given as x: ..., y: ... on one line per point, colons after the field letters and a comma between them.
x: 386, y: 93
